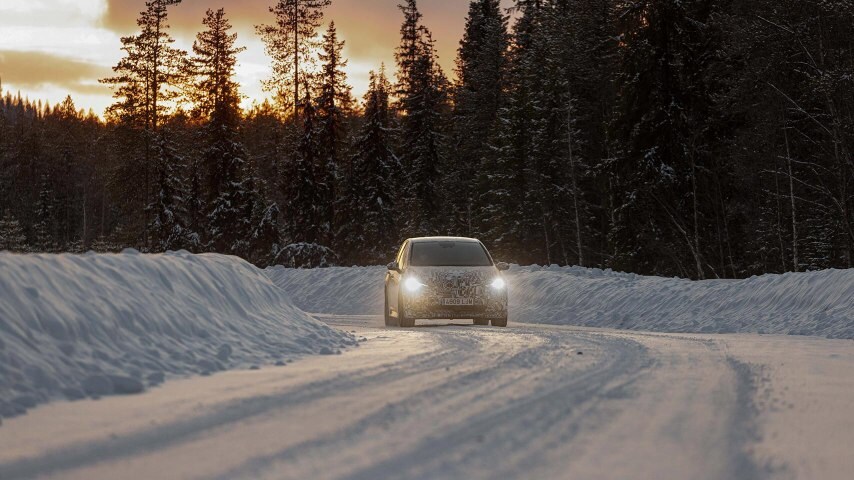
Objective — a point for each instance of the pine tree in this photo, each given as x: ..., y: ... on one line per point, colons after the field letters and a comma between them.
x: 218, y: 104
x: 214, y: 92
x: 196, y: 208
x: 559, y: 167
x: 302, y: 210
x: 511, y: 222
x: 803, y: 82
x: 372, y: 207
x: 662, y: 129
x: 266, y: 139
x: 290, y: 42
x: 149, y: 74
x: 44, y: 226
x: 265, y: 242
x: 147, y: 78
x: 478, y: 97
x: 334, y: 104
x: 590, y: 64
x: 168, y: 230
x: 422, y: 93
x: 65, y: 169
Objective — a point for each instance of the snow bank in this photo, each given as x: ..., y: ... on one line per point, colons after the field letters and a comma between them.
x: 335, y: 290
x: 92, y: 325
x: 814, y: 303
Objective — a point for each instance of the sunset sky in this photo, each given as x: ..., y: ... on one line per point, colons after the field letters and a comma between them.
x: 50, y: 48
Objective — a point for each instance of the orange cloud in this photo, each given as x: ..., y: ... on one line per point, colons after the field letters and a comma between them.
x: 38, y: 69
x: 186, y: 17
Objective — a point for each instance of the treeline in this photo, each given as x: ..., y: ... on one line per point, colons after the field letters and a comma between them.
x: 693, y: 138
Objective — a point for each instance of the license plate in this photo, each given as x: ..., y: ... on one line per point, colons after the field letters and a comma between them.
x: 457, y: 301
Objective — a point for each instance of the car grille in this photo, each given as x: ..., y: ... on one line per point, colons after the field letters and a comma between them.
x: 458, y: 285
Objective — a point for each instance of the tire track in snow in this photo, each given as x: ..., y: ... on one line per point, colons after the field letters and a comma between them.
x: 505, y: 435
x: 450, y: 395
x: 464, y: 411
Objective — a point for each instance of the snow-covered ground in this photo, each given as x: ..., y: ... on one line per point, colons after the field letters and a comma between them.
x: 813, y: 303
x: 73, y: 326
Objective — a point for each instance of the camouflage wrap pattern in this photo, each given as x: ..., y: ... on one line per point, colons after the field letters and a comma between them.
x: 458, y: 283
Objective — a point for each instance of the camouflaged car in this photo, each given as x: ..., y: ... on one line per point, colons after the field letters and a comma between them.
x: 445, y: 278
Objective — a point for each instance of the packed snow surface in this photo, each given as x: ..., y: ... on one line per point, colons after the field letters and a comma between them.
x: 91, y: 325
x: 813, y: 303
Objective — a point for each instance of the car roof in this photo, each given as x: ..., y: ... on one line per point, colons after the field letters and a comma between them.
x: 443, y: 239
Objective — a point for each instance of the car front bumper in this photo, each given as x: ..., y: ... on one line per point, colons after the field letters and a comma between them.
x: 424, y: 307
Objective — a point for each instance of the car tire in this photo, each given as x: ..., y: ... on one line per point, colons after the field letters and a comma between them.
x: 389, y: 320
x: 481, y: 321
x: 402, y: 320
x: 499, y: 322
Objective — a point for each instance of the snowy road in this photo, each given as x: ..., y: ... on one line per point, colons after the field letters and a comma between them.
x: 456, y: 401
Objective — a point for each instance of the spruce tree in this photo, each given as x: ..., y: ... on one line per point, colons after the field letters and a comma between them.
x: 196, y: 208
x: 512, y: 223
x: 147, y: 78
x: 664, y: 123
x: 44, y: 227
x: 422, y: 101
x: 168, y: 230
x: 372, y: 193
x: 334, y: 104
x: 302, y: 210
x: 218, y: 104
x: 290, y: 42
x: 478, y: 96
x: 149, y: 74
x: 264, y: 241
x: 559, y: 167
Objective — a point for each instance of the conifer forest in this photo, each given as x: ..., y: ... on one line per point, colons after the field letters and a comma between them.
x: 693, y: 138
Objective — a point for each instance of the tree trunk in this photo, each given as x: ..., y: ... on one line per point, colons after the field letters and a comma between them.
x: 85, y: 226
x: 778, y: 195
x: 574, y: 186
x: 796, y: 264
x: 296, y: 58
x: 548, y: 245
x: 696, y: 250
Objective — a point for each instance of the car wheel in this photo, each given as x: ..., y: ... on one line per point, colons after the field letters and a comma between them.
x: 499, y: 322
x: 402, y: 321
x: 389, y: 320
x: 481, y: 321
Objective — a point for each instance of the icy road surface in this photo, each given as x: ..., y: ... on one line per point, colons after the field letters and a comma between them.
x: 457, y: 401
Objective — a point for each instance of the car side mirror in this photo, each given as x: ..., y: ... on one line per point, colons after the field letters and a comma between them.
x: 502, y: 266
x: 393, y: 266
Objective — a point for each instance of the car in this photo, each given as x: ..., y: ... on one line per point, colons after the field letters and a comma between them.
x: 445, y: 278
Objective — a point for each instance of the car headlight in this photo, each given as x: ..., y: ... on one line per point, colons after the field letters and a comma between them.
x: 412, y: 284
x: 498, y: 283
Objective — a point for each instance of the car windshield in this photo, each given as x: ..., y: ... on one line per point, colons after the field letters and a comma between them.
x: 449, y: 254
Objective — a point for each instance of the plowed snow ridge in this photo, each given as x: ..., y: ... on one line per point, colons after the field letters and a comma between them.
x: 90, y: 325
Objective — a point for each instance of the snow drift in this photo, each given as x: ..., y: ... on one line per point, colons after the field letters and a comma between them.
x: 813, y: 303
x: 335, y: 290
x: 91, y: 325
